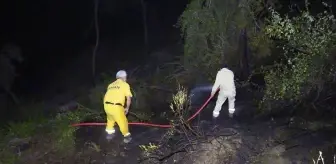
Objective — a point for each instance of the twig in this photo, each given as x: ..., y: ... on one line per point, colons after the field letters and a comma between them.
x: 320, y: 158
x: 162, y: 158
x: 183, y: 148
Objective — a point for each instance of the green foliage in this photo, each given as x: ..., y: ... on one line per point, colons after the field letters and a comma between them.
x: 205, y: 25
x: 212, y: 30
x: 22, y: 129
x: 148, y: 149
x: 306, y: 41
x: 180, y: 102
x: 300, y: 64
x: 55, y: 134
x: 63, y: 132
x: 7, y: 157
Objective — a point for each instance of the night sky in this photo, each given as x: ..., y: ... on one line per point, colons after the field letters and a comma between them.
x: 53, y: 32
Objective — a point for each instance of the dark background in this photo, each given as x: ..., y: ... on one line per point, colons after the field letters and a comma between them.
x: 56, y: 34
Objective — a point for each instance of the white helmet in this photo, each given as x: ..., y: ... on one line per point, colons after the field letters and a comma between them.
x: 121, y: 74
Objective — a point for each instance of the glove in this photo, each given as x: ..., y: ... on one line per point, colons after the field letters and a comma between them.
x: 213, y: 92
x: 126, y: 110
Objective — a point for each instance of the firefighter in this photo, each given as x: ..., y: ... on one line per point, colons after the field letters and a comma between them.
x: 227, y: 90
x: 114, y: 105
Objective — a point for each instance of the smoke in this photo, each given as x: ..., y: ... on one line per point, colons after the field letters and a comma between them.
x: 202, y: 88
x: 199, y: 94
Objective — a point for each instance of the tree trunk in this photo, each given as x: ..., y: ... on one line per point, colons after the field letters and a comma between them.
x: 245, y: 57
x: 144, y: 22
x: 97, y: 43
x: 13, y: 97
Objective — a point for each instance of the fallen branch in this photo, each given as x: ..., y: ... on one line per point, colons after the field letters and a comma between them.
x: 158, y: 158
x: 167, y: 156
x: 183, y: 148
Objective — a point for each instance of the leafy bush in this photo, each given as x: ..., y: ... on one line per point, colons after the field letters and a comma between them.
x: 307, y: 42
x: 212, y: 31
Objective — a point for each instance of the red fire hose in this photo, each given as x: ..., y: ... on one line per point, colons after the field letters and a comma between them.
x: 147, y: 124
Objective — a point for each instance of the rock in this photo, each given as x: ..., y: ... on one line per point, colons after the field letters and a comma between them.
x: 19, y: 141
x: 20, y: 144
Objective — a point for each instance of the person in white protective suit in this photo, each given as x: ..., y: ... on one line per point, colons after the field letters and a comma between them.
x: 227, y: 90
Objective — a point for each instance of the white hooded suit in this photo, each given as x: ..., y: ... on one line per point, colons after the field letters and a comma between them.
x: 225, y: 82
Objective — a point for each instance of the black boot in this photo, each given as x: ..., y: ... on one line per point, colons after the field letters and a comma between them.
x: 127, y: 139
x: 214, y: 121
x: 231, y: 115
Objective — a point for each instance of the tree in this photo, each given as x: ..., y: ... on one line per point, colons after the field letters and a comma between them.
x: 120, y: 4
x: 94, y: 54
x: 307, y: 62
x: 212, y: 31
x: 9, y: 54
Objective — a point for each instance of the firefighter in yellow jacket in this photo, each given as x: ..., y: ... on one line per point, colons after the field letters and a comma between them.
x: 114, y: 102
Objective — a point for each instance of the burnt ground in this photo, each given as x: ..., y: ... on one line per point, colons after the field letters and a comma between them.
x: 241, y: 139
